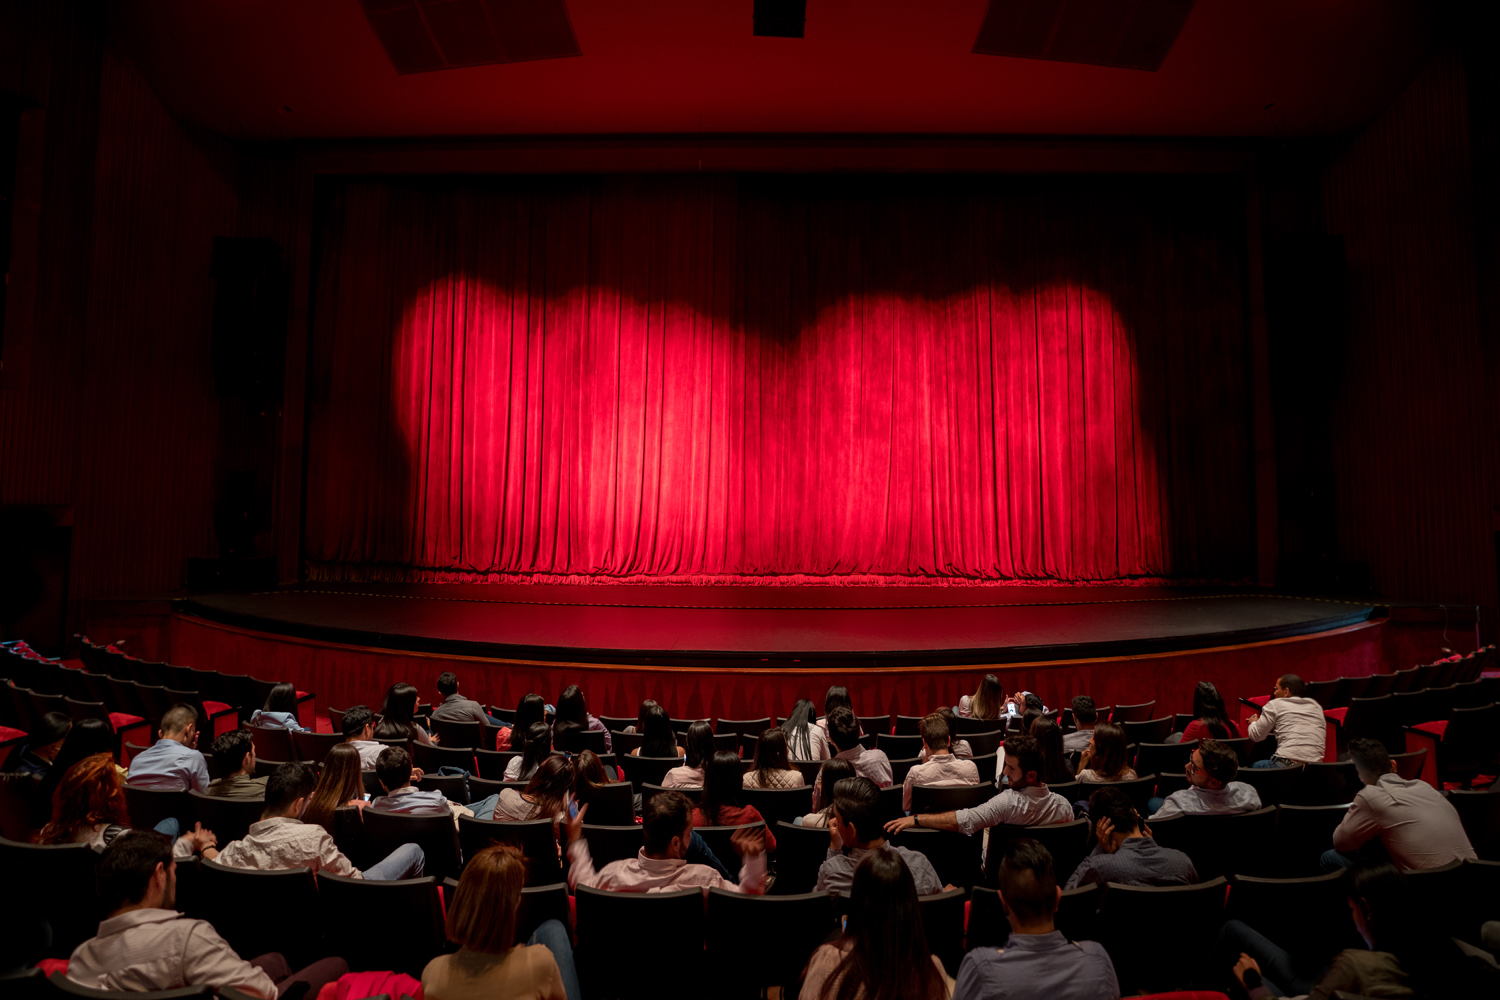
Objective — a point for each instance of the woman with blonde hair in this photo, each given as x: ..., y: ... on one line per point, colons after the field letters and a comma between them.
x: 89, y: 808
x: 987, y: 701
x: 340, y: 784
x: 489, y: 964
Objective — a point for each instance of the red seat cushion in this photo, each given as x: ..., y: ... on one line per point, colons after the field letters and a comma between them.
x: 1437, y: 728
x: 1259, y: 699
x: 7, y: 734
x: 122, y: 719
x: 301, y: 694
x: 1337, y: 714
x: 215, y: 707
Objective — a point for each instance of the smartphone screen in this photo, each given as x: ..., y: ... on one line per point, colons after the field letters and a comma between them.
x: 367, y: 796
x: 572, y: 806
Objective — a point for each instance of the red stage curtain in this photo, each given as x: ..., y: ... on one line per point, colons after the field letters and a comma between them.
x: 780, y: 379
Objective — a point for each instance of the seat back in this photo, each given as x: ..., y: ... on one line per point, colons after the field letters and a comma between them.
x: 56, y: 882
x: 431, y: 758
x: 649, y: 791
x: 1136, y: 920
x: 1327, y: 783
x: 719, y: 839
x: 898, y: 746
x: 1136, y: 713
x: 23, y: 811
x: 1148, y: 730
x: 800, y: 852
x: 1479, y: 811
x: 261, y: 911
x: 988, y: 765
x: 314, y: 746
x: 668, y: 926
x: 535, y: 838
x: 149, y: 806
x: 756, y: 942
x: 272, y: 744
x: 409, y: 913
x: 1066, y: 842
x: 1311, y: 914
x: 1274, y: 785
x: 943, y: 924
x: 613, y: 843
x: 624, y: 743
x: 455, y: 787
x: 539, y: 903
x: 1409, y: 764
x: 779, y: 804
x: 1468, y: 747
x: 61, y: 985
x: 1154, y: 758
x: 457, y: 735
x: 1222, y: 843
x: 1329, y: 694
x: 579, y: 740
x: 1373, y: 718
x: 944, y: 798
x: 491, y: 763
x: 641, y: 771
x: 954, y: 856
x: 228, y: 818
x: 1303, y: 833
x: 900, y: 766
x: 386, y: 831
x: 874, y: 725
x: 989, y: 928
x: 909, y: 725
x: 612, y: 804
x: 1139, y: 789
x: 986, y: 743
x: 1380, y: 684
x: 965, y: 727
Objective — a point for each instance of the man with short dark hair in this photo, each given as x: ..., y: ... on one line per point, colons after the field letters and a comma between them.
x: 145, y: 944
x: 172, y: 763
x: 1125, y: 852
x: 455, y: 707
x: 856, y: 833
x: 1211, y: 786
x: 280, y: 840
x: 1026, y: 802
x: 1085, y: 716
x: 1416, y: 825
x: 359, y: 732
x: 843, y: 732
x: 940, y: 767
x: 667, y: 833
x: 394, y: 772
x: 1037, y: 962
x: 234, y: 756
x: 1296, y: 721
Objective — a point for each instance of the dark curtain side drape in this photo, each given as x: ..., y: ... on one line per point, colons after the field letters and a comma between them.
x: 780, y: 379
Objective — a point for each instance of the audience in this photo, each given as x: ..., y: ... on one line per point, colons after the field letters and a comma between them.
x: 941, y: 767
x: 1037, y: 961
x: 1048, y: 736
x: 773, y: 767
x: 394, y: 772
x: 340, y: 784
x: 661, y: 866
x: 1107, y: 755
x: 39, y: 752
x: 855, y: 833
x: 234, y: 756
x: 280, y: 710
x: 1125, y: 852
x: 987, y: 701
x: 1210, y: 719
x: 1296, y: 721
x: 538, y: 749
x: 455, y: 707
x: 700, y: 747
x: 482, y: 917
x: 572, y: 712
x: 805, y: 739
x: 359, y: 732
x: 833, y: 771
x: 1417, y: 827
x: 959, y: 747
x: 172, y: 763
x: 1026, y: 802
x: 543, y: 797
x: 723, y: 802
x: 398, y: 716
x: 882, y: 953
x: 145, y: 944
x: 530, y: 710
x: 1085, y: 716
x: 657, y: 738
x: 843, y: 730
x: 89, y: 808
x: 1211, y: 786
x: 282, y: 839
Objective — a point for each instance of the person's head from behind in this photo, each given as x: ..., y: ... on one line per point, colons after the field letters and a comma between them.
x: 393, y: 769
x: 1034, y: 702
x: 723, y: 783
x: 47, y: 741
x: 571, y: 707
x: 180, y: 724
x: 1213, y: 765
x: 90, y: 793
x: 85, y: 739
x: 935, y: 734
x: 657, y: 738
x: 1371, y: 759
x: 1207, y: 703
x: 856, y: 812
x: 832, y: 772
x: 1289, y: 686
x: 234, y: 753
x: 447, y: 683
x: 1114, y: 817
x: 400, y: 707
x: 136, y: 871
x: 1391, y: 918
x: 282, y: 698
x: 1024, y: 764
x: 289, y: 788
x: 988, y: 699
x: 887, y: 954
x: 771, y: 752
x: 1110, y: 749
x: 803, y: 713
x: 358, y: 724
x: 667, y: 827
x: 837, y: 697
x: 1048, y: 736
x: 640, y: 716
x: 482, y: 912
x: 1028, y: 719
x: 843, y: 729
x: 340, y: 783
x: 1028, y: 886
x: 550, y: 786
x: 588, y: 774
x: 699, y: 744
x: 538, y: 747
x: 531, y: 709
x: 1085, y: 712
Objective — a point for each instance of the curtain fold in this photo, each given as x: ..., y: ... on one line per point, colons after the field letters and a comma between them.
x: 945, y: 379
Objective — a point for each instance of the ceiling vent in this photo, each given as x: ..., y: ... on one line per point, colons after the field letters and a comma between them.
x: 1129, y: 34
x: 425, y: 35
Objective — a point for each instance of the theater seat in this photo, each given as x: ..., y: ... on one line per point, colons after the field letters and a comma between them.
x: 228, y: 818
x: 56, y: 883
x: 955, y: 856
x: 536, y: 838
x: 616, y: 931
x: 800, y: 851
x: 1311, y: 914
x: 1138, y: 922
x: 261, y: 911
x: 989, y: 928
x: 386, y: 831
x: 408, y: 914
x: 66, y: 987
x: 756, y: 942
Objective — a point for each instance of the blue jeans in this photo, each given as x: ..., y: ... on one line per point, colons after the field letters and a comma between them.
x: 1274, y: 762
x: 1276, y: 969
x: 1154, y: 803
x: 170, y: 827
x: 1332, y: 861
x: 405, y: 861
x: 553, y: 936
x: 485, y: 807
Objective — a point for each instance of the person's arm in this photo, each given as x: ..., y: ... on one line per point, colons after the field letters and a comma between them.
x: 882, y: 767
x: 751, y: 845
x: 1085, y: 873
x: 208, y: 960
x: 906, y: 790
x: 198, y: 773
x: 332, y: 860
x: 970, y: 984
x: 1168, y: 809
x: 1263, y: 723
x: 928, y: 821
x: 1359, y: 825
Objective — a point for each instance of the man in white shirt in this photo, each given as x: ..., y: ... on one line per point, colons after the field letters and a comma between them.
x: 1085, y: 715
x: 667, y: 829
x: 1027, y: 802
x: 1211, y: 786
x: 1415, y: 824
x: 941, y: 766
x: 280, y: 840
x: 394, y: 772
x: 1296, y: 721
x: 145, y: 944
x: 843, y: 730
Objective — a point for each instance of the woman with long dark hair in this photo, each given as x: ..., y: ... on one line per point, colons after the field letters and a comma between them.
x: 723, y: 804
x: 883, y: 952
x: 987, y: 701
x: 1210, y: 720
x: 1048, y: 736
x: 805, y: 740
x: 657, y: 739
x: 530, y: 709
x: 699, y: 744
x: 538, y: 749
x: 831, y: 773
x: 1105, y: 758
x: 399, y: 716
x: 773, y: 766
x: 280, y: 710
x: 544, y: 796
x: 340, y: 784
x: 837, y: 697
x: 572, y: 712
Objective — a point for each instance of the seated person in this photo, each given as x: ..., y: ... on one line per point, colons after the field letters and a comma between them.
x: 145, y: 944
x: 1026, y: 802
x: 773, y: 765
x: 89, y: 808
x: 960, y: 747
x: 172, y: 763
x: 572, y: 713
x: 843, y: 732
x: 280, y: 840
x: 455, y: 707
x: 1296, y: 721
x: 1415, y: 824
x: 41, y: 748
x: 661, y: 865
x: 941, y: 767
x: 986, y: 703
x: 1125, y: 852
x: 340, y: 784
x: 1049, y: 736
x: 1210, y: 719
x: 832, y: 772
x: 358, y: 728
x: 657, y: 738
x: 398, y: 716
x: 544, y: 797
x: 1107, y: 756
x: 394, y: 772
x: 700, y: 749
x: 537, y: 748
x: 1037, y: 962
x: 1211, y: 786
x: 481, y: 920
x: 722, y: 800
x: 805, y: 739
x: 882, y: 950
x: 1085, y: 717
x: 234, y: 755
x: 857, y: 833
x: 280, y: 710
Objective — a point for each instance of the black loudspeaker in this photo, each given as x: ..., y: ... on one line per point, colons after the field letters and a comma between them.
x: 250, y: 317
x: 780, y: 18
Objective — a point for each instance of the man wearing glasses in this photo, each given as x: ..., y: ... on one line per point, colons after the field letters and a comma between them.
x: 1211, y: 786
